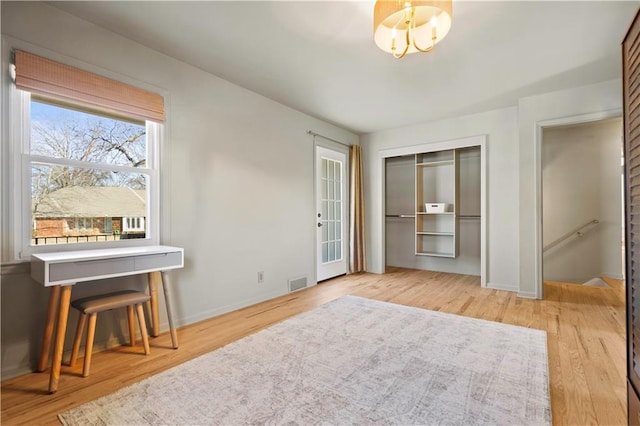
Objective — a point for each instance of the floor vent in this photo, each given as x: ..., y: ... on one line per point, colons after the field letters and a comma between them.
x: 297, y: 284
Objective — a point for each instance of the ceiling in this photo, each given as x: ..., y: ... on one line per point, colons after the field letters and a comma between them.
x: 320, y: 58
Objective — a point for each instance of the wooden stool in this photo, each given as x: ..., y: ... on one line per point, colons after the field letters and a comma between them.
x: 104, y: 302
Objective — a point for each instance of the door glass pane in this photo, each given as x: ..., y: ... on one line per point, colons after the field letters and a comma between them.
x: 332, y: 205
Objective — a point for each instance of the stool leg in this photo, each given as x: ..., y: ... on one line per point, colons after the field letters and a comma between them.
x: 132, y: 325
x: 88, y: 351
x: 143, y: 329
x: 76, y: 341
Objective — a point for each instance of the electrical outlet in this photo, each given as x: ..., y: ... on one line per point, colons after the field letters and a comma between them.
x: 260, y: 277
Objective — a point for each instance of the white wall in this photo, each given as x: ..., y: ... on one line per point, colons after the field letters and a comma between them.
x: 500, y: 126
x: 581, y: 103
x: 237, y: 174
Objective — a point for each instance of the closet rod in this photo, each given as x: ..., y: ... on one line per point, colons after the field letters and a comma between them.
x: 401, y: 215
x: 469, y: 216
x: 309, y: 132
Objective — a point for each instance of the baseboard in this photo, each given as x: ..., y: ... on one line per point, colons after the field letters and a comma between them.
x: 505, y: 287
x: 15, y: 371
x: 201, y: 316
x: 527, y: 294
x: 582, y: 280
x: 28, y: 366
x: 617, y: 276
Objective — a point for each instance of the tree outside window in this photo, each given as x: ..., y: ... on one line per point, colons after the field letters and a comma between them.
x: 84, y: 178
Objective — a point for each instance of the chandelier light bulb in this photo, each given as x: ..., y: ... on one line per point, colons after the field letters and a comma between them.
x: 401, y: 27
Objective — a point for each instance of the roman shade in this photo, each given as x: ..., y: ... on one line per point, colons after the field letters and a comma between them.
x: 52, y: 79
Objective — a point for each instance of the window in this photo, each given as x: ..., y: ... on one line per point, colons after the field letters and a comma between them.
x: 133, y: 224
x: 83, y: 177
x: 84, y: 172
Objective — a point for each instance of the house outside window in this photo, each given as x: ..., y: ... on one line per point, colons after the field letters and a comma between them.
x: 83, y: 170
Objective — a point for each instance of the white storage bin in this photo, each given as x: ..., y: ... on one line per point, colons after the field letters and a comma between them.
x: 436, y: 207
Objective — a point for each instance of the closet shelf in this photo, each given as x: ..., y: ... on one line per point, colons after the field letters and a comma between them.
x: 436, y: 214
x: 436, y: 233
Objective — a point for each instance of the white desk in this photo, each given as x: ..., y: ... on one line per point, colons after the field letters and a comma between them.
x: 62, y: 270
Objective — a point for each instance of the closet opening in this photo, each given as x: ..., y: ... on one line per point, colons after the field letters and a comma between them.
x: 434, y: 202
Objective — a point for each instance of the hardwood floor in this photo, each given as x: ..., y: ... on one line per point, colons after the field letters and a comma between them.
x: 585, y: 329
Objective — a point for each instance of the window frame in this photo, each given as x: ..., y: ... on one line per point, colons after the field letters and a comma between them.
x: 19, y: 184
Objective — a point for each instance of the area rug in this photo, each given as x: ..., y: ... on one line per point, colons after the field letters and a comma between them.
x: 350, y: 361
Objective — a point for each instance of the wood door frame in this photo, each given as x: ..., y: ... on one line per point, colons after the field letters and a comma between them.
x: 379, y: 221
x: 343, y: 149
x: 537, y: 211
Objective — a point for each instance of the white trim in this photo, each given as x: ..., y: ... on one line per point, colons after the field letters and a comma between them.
x: 379, y: 222
x: 505, y: 287
x: 155, y: 134
x: 527, y: 295
x: 41, y: 159
x: 538, y: 276
x: 617, y: 276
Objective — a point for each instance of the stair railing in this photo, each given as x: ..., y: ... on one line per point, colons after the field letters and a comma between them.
x: 577, y: 233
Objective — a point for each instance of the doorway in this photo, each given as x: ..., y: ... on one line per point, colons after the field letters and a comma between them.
x: 391, y: 210
x: 331, y: 213
x: 582, y: 205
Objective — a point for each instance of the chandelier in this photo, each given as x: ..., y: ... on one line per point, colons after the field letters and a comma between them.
x: 404, y: 26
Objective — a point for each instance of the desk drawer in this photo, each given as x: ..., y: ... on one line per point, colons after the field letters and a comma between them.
x: 71, y: 271
x: 158, y: 261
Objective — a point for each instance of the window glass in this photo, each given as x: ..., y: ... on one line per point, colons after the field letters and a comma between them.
x: 84, y: 175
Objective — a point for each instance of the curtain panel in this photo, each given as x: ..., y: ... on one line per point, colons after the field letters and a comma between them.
x: 357, y: 252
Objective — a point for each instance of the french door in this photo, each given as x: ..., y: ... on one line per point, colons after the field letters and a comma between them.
x: 331, y: 213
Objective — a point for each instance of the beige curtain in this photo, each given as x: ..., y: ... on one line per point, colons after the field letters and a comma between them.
x: 358, y: 261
